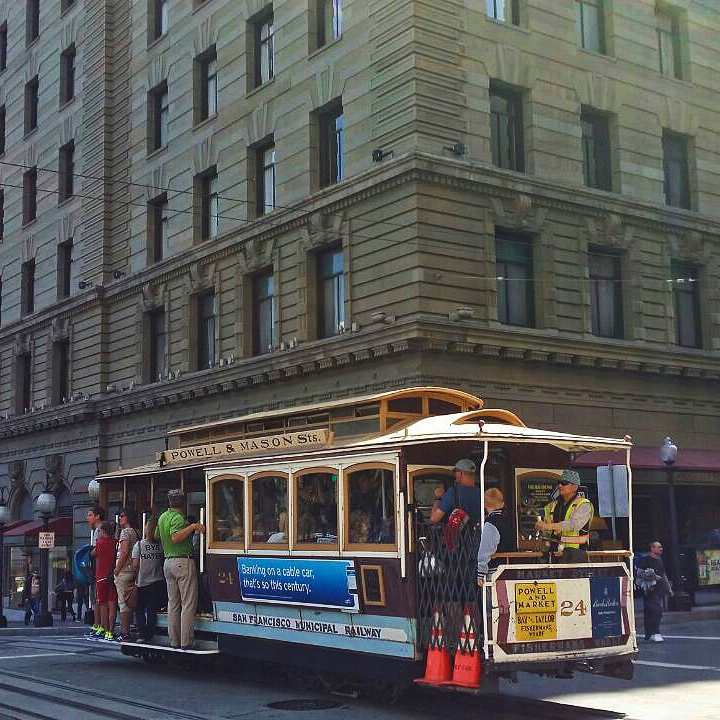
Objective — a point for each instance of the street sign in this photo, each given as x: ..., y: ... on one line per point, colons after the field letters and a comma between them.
x: 612, y: 483
x: 46, y: 540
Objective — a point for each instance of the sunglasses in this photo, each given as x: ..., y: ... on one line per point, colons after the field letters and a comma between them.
x: 564, y: 482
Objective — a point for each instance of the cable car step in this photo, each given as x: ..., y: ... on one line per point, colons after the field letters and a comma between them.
x: 161, y: 645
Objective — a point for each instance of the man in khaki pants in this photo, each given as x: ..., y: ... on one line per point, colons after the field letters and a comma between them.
x: 174, y: 532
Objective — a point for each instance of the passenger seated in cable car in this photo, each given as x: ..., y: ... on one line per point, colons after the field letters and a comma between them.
x: 317, y: 500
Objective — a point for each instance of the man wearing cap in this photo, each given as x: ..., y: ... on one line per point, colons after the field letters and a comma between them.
x: 463, y: 494
x: 174, y: 532
x: 568, y: 519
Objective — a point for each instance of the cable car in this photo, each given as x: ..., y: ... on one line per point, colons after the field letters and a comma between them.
x: 319, y: 549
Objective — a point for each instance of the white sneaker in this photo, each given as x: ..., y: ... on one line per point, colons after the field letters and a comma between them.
x: 657, y: 638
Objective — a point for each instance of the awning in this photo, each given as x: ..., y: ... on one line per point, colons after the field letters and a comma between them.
x: 648, y: 458
x: 25, y: 533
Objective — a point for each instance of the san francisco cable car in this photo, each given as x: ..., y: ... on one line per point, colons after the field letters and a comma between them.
x: 319, y: 549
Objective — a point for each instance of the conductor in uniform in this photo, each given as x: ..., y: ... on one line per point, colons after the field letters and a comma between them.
x: 568, y: 519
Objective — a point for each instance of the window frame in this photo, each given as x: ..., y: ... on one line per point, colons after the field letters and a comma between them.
x: 333, y: 549
x: 64, y: 269
x: 60, y: 371
x: 530, y: 301
x: 255, y: 278
x: 261, y: 169
x: 158, y: 221
x: 218, y: 546
x: 203, y: 110
x: 66, y: 172
x: 676, y: 166
x: 511, y: 18
x: 30, y: 195
x: 158, y: 120
x: 32, y: 105
x: 341, y: 302
x: 24, y: 382
x: 200, y: 320
x: 67, y: 74
x: 580, y: 6
x: 153, y: 370
x: 331, y: 145
x: 270, y: 548
x: 32, y: 21
x: 602, y: 162
x: 207, y: 205
x: 617, y: 291
x: 678, y: 267
x: 675, y: 40
x: 514, y: 129
x: 347, y: 546
x: 156, y: 11
x: 3, y: 46
x: 321, y: 13
x: 256, y: 24
x: 3, y: 128
x: 27, y: 287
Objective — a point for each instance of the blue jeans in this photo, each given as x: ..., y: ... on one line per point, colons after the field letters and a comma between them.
x: 150, y: 599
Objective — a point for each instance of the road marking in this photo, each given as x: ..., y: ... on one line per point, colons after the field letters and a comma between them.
x: 676, y: 666
x: 691, y: 637
x: 20, y: 657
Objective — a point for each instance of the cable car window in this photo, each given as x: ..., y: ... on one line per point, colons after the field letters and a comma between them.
x: 428, y: 486
x: 269, y: 510
x: 228, y: 511
x: 406, y: 405
x: 317, y: 509
x: 442, y: 407
x: 371, y: 507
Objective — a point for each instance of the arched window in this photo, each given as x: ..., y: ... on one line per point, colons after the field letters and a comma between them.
x: 269, y: 511
x: 316, y: 509
x: 370, y: 507
x: 226, y: 527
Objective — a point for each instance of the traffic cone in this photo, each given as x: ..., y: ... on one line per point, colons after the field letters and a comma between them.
x: 467, y: 669
x: 437, y: 666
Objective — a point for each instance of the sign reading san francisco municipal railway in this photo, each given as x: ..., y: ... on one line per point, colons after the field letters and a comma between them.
x: 303, y: 440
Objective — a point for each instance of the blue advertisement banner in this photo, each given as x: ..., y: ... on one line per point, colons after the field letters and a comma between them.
x: 290, y: 581
x: 605, y: 607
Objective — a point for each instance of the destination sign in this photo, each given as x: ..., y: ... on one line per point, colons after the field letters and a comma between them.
x: 303, y: 440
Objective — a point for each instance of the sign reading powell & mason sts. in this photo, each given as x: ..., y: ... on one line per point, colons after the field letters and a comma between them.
x: 303, y: 440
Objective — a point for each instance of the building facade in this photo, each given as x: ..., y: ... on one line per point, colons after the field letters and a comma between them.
x: 213, y: 207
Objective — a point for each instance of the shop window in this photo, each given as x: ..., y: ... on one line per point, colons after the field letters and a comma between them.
x: 317, y: 509
x: 269, y: 510
x: 227, y: 508
x: 371, y: 508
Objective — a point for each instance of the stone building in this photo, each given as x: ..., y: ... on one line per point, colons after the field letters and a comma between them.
x: 216, y: 206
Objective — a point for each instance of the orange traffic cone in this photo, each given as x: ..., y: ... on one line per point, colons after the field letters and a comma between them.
x: 467, y: 669
x: 437, y: 666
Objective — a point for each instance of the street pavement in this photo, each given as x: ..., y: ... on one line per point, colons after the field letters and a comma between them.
x: 64, y: 677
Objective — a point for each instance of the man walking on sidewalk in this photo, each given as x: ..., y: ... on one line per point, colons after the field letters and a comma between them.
x: 174, y: 532
x: 653, y: 580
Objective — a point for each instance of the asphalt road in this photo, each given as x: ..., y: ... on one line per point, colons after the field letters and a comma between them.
x: 45, y: 677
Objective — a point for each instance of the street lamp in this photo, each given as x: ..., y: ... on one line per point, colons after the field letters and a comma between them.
x: 45, y: 505
x: 4, y: 517
x: 94, y: 489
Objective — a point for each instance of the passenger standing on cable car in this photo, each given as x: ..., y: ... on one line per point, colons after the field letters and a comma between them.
x: 463, y: 495
x: 174, y: 532
x: 496, y: 534
x: 568, y: 519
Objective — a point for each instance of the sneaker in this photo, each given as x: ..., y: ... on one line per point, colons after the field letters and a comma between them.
x: 657, y: 637
x: 123, y: 638
x: 107, y: 635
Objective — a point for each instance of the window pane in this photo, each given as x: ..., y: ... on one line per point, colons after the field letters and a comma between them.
x: 212, y: 87
x: 164, y: 118
x: 214, y: 206
x: 317, y: 508
x: 228, y: 511
x: 264, y: 313
x: 269, y: 510
x: 339, y: 142
x: 268, y: 159
x: 164, y: 16
x: 515, y: 289
x: 496, y: 9
x: 371, y: 507
x: 591, y: 19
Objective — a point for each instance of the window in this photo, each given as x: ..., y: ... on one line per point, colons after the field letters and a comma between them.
x: 504, y: 10
x: 596, y: 150
x: 264, y: 161
x: 207, y: 202
x: 263, y: 313
x: 269, y: 514
x: 27, y: 288
x: 370, y: 507
x: 331, y: 125
x: 227, y: 512
x: 157, y: 232
x: 331, y: 292
x: 2, y: 129
x: 206, y: 330
x: 514, y: 269
x: 330, y: 21
x: 64, y: 269
x: 65, y: 5
x: 2, y: 214
x: 317, y: 509
x: 590, y: 24
x: 3, y: 46
x: 23, y: 383
x: 606, y: 294
x: 1, y: 298
x: 67, y: 75
x: 506, y: 128
x: 158, y: 117
x: 32, y: 20
x: 676, y: 170
x: 29, y: 195
x: 61, y: 372
x: 31, y: 105
x: 261, y: 32
x: 206, y: 85
x: 668, y: 34
x: 157, y: 355
x: 66, y: 174
x: 159, y: 19
x: 686, y: 291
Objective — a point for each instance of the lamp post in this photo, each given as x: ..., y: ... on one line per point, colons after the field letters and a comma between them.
x: 4, y: 517
x: 45, y: 505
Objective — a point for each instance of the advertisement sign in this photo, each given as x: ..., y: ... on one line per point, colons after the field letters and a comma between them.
x: 605, y: 607
x: 534, y: 491
x: 536, y: 611
x: 290, y: 581
x: 46, y: 540
x: 708, y: 567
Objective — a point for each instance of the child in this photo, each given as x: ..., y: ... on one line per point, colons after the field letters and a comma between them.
x: 104, y: 554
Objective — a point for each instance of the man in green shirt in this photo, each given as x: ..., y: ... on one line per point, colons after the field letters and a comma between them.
x: 174, y: 532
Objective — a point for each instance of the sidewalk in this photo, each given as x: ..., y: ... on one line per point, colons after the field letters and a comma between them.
x: 707, y: 608
x: 16, y: 625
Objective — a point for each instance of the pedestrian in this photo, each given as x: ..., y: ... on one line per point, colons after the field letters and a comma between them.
x: 65, y: 591
x: 568, y: 519
x: 26, y: 594
x: 81, y: 599
x: 124, y: 570
x: 496, y: 536
x: 653, y: 581
x: 148, y: 560
x: 95, y: 517
x: 104, y: 553
x: 174, y: 533
x: 35, y: 593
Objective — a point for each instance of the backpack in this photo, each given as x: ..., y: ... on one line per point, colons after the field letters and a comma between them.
x: 456, y: 521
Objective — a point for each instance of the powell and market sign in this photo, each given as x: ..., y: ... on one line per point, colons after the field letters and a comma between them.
x: 303, y: 440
